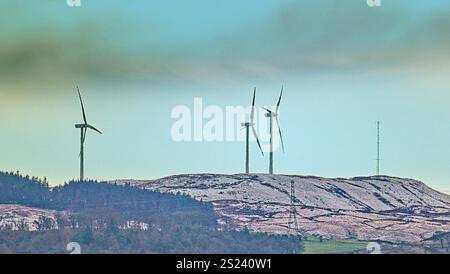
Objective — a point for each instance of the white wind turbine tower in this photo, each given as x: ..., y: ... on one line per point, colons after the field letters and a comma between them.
x: 247, y: 126
x: 271, y: 115
x: 83, y: 129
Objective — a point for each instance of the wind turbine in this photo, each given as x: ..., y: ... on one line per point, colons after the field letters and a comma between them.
x: 83, y: 129
x: 247, y: 126
x: 270, y: 114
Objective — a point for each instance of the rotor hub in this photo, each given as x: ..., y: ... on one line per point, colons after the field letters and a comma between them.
x: 80, y: 126
x: 271, y: 114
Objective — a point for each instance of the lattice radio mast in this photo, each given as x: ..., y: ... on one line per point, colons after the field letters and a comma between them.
x: 378, y: 148
x: 292, y: 224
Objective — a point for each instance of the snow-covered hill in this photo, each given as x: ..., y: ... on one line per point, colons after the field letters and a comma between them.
x: 366, y: 208
x: 18, y: 217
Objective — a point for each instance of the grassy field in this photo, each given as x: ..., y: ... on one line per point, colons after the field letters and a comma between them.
x: 313, y: 245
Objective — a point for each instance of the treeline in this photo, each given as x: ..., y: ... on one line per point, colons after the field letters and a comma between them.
x: 16, y: 188
x: 92, y: 198
x: 177, y: 239
x: 97, y: 215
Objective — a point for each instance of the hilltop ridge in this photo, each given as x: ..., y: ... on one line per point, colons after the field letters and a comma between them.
x: 365, y: 208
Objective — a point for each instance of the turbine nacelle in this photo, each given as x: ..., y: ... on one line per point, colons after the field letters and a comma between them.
x: 271, y: 114
x: 86, y: 126
x: 247, y: 124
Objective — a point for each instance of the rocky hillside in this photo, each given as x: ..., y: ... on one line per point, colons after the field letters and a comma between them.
x: 18, y: 217
x: 365, y: 208
x: 107, y: 218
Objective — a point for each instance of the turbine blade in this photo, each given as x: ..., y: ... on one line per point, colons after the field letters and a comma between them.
x: 279, y: 131
x: 82, y: 140
x: 82, y: 106
x: 84, y: 134
x: 279, y: 100
x: 257, y: 140
x: 266, y: 109
x: 93, y: 128
x: 252, y: 115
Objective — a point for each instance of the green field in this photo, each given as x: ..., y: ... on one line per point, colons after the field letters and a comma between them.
x: 313, y: 245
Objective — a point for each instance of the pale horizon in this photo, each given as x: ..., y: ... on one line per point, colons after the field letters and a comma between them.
x: 343, y: 67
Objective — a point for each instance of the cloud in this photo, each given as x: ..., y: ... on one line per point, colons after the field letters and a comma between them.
x: 341, y: 36
x: 300, y: 37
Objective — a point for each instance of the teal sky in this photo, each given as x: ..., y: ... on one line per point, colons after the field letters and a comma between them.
x: 343, y: 64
